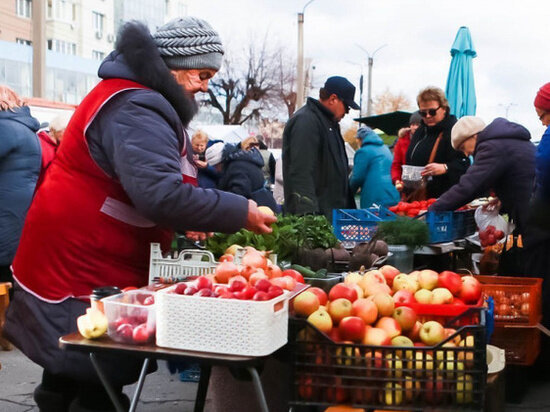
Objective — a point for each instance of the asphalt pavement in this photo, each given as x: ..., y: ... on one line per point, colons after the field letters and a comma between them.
x: 164, y: 392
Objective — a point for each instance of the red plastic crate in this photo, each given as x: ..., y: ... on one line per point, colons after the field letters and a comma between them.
x: 442, y: 313
x: 512, y: 293
x: 521, y: 345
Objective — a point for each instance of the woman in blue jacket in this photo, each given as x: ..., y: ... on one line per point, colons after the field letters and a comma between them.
x: 371, y: 171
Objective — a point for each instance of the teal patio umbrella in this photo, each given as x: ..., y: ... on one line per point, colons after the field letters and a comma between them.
x: 460, y: 88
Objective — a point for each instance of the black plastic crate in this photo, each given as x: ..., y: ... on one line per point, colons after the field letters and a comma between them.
x: 325, y: 373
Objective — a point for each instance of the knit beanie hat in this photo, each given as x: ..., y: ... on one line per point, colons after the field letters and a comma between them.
x: 542, y: 101
x: 189, y: 43
x: 465, y: 128
x: 415, y: 118
x: 363, y: 131
x: 214, y: 153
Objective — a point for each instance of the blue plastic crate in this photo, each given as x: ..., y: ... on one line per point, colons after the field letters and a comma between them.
x: 442, y: 226
x: 359, y: 225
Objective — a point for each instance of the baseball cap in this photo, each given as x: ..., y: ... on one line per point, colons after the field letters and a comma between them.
x: 341, y: 87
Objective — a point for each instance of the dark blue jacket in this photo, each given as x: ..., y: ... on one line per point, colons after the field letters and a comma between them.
x: 504, y: 160
x: 371, y: 173
x: 543, y: 167
x: 138, y: 137
x: 20, y: 159
x: 243, y: 175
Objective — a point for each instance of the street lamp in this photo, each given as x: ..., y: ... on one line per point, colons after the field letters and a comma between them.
x: 371, y: 61
x: 300, y: 89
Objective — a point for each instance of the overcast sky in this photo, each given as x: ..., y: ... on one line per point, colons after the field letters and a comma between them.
x: 512, y: 40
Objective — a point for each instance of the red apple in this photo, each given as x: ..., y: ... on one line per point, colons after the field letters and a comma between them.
x: 352, y: 328
x: 450, y: 280
x: 414, y: 334
x: 458, y: 302
x: 190, y: 290
x: 180, y: 288
x: 334, y: 333
x: 202, y: 282
x: 390, y: 325
x: 342, y: 290
x: 377, y: 337
x: 403, y: 297
x: 261, y: 296
x: 124, y: 331
x: 384, y: 303
x: 236, y: 284
x: 297, y: 276
x: 204, y: 292
x: 140, y: 334
x: 406, y: 317
x: 263, y: 285
x: 365, y: 309
x: 338, y: 309
x: 321, y: 294
x: 389, y: 273
x: 275, y: 291
x: 471, y: 289
x: 305, y: 303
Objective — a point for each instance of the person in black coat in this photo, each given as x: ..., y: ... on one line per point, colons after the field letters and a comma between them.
x: 448, y: 164
x: 241, y: 172
x: 504, y: 161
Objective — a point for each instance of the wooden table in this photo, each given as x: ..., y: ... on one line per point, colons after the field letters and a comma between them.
x: 76, y: 342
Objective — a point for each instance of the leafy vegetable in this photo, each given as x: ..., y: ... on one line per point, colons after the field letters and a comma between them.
x: 290, y: 233
x: 404, y: 231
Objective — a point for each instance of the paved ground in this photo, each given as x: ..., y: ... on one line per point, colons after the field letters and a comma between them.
x: 164, y: 392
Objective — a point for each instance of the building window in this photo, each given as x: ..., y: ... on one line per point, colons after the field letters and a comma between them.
x: 63, y: 10
x: 23, y: 41
x: 23, y: 8
x: 61, y: 46
x: 97, y: 23
x: 98, y: 55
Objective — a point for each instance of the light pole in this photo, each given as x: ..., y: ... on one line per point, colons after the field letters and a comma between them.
x: 507, y: 107
x: 300, y: 89
x: 371, y: 62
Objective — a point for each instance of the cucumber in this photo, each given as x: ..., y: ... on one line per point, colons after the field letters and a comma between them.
x: 306, y: 272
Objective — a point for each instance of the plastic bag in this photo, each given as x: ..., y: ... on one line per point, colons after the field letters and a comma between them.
x: 490, y: 216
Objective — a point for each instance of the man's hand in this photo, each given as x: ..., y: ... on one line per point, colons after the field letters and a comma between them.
x: 399, y: 185
x: 434, y: 169
x: 493, y: 204
x: 257, y: 221
x: 197, y: 236
x: 200, y: 164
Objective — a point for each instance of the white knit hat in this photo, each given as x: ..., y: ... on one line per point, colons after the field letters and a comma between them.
x: 465, y: 128
x: 214, y: 153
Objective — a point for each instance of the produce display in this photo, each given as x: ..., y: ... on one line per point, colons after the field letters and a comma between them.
x: 131, y: 317
x: 370, y: 324
x: 412, y: 209
x: 511, y: 306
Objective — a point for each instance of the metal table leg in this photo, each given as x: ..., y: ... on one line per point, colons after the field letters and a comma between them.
x: 259, y: 389
x: 139, y: 387
x: 203, y: 388
x: 106, y: 383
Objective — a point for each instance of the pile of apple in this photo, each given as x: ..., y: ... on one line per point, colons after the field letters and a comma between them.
x: 490, y: 236
x: 510, y: 306
x: 134, y: 324
x: 237, y: 288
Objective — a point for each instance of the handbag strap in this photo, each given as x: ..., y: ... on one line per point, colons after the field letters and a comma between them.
x: 434, y: 149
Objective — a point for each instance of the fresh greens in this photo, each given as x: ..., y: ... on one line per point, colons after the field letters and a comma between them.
x: 404, y: 231
x: 290, y: 233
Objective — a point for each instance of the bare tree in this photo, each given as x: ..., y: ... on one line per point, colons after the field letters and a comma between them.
x: 389, y: 102
x: 254, y: 82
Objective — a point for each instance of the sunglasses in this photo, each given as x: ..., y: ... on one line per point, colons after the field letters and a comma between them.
x: 431, y: 112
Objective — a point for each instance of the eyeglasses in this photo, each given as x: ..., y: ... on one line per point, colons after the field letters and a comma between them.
x: 431, y: 112
x: 542, y: 115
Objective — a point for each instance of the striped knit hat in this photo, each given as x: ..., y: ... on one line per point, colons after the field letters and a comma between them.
x: 189, y: 43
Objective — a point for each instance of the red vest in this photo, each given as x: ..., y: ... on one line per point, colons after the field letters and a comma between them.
x: 82, y: 230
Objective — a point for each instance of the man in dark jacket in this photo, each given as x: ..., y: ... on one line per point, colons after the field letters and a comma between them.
x: 504, y: 161
x: 315, y: 165
x: 123, y: 177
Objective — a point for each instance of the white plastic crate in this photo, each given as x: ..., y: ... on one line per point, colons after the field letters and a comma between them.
x: 188, y: 263
x: 228, y: 326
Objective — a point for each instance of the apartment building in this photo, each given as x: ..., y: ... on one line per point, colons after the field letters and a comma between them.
x: 79, y: 34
